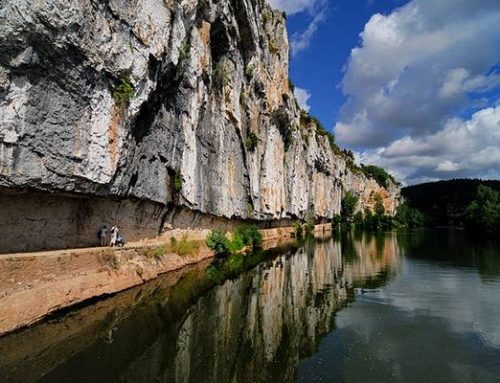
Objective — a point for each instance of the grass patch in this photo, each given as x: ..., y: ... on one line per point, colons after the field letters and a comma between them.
x: 155, y: 252
x: 184, y: 246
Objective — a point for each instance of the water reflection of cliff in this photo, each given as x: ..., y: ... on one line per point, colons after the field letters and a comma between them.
x: 252, y: 328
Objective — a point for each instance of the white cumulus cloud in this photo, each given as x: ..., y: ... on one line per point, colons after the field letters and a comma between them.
x: 301, y: 40
x: 293, y: 6
x: 303, y: 97
x: 317, y: 11
x: 416, y: 71
x: 463, y: 148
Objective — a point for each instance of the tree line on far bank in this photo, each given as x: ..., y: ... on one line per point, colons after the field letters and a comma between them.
x: 471, y: 204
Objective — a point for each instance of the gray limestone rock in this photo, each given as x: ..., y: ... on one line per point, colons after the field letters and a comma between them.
x: 173, y: 102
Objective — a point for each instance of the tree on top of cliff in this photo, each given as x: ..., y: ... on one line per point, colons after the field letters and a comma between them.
x: 380, y: 175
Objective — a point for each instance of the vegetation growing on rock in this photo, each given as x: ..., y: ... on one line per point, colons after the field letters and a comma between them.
x: 380, y: 175
x: 178, y: 181
x: 251, y: 141
x: 244, y: 236
x: 123, y: 92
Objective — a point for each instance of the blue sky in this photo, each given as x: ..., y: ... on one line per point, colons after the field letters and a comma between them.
x: 319, y: 68
x: 410, y: 85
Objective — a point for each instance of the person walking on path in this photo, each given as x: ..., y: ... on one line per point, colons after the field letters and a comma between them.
x: 114, y: 235
x: 103, y: 234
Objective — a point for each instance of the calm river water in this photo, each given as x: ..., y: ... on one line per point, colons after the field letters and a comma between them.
x: 398, y: 307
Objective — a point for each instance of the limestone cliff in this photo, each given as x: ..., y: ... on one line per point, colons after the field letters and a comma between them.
x: 152, y: 108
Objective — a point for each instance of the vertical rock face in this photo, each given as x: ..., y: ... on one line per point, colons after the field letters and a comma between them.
x: 172, y: 102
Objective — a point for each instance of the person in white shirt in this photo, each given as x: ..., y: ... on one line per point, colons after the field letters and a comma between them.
x: 114, y: 235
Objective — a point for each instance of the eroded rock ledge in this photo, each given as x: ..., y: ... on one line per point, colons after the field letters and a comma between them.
x: 34, y: 285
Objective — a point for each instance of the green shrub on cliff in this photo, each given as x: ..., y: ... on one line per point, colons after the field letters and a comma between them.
x: 250, y: 235
x: 184, y: 52
x: 251, y: 141
x: 309, y: 228
x: 218, y: 242
x: 178, y: 181
x: 379, y: 174
x: 123, y: 91
x: 244, y: 236
x: 298, y: 230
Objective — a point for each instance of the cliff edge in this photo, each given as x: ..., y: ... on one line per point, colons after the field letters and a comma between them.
x: 156, y: 114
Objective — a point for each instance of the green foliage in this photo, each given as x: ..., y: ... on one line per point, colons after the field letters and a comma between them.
x: 233, y: 265
x: 221, y: 76
x: 250, y: 235
x: 123, y: 92
x: 244, y: 236
x: 184, y: 246
x: 349, y: 203
x: 379, y: 206
x: 348, y: 154
x: 483, y: 214
x: 409, y: 217
x: 309, y: 228
x: 369, y: 219
x: 273, y: 47
x: 291, y: 85
x: 322, y: 131
x: 444, y: 203
x: 359, y: 219
x: 184, y: 57
x: 178, y: 181
x: 184, y: 52
x: 218, y: 242
x: 336, y: 220
x: 252, y: 141
x: 379, y: 174
x: 250, y: 209
x: 236, y: 243
x: 299, y: 230
x: 155, y: 252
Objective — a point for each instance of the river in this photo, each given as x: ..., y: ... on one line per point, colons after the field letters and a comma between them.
x: 421, y: 306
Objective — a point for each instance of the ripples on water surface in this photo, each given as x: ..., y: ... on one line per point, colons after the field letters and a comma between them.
x: 411, y: 307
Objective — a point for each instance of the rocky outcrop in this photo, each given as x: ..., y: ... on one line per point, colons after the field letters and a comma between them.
x: 174, y: 103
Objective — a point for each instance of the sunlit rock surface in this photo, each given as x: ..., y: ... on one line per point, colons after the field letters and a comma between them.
x: 211, y: 125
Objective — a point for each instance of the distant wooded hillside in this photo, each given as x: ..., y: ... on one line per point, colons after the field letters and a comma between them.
x: 445, y: 202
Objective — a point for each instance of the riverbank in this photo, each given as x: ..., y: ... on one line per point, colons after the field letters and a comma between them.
x: 35, y: 285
